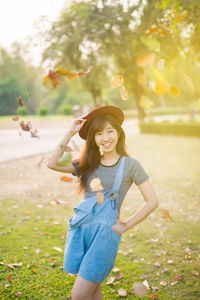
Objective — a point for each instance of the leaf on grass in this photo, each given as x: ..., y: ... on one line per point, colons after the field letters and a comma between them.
x: 163, y: 283
x: 115, y: 269
x: 195, y: 273
x: 38, y: 251
x: 110, y: 280
x: 122, y: 292
x: 124, y: 93
x: 66, y: 179
x: 96, y: 185
x: 139, y: 289
x: 9, y: 278
x: 58, y: 249
x: 165, y: 213
x: 20, y: 101
x: 144, y: 61
x: 34, y: 270
x: 157, y: 264
x: 100, y: 197
x: 174, y: 91
x: 65, y: 160
x: 18, y: 294
x: 117, y: 81
x: 155, y: 297
x: 178, y: 277
x: 120, y: 275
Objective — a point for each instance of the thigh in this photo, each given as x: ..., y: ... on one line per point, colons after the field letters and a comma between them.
x: 83, y: 288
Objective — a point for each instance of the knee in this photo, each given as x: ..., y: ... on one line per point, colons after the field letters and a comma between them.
x: 76, y: 294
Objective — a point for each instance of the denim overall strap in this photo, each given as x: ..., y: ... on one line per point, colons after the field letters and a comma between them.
x: 119, y: 175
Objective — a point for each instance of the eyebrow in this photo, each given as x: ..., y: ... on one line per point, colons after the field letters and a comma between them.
x: 106, y: 128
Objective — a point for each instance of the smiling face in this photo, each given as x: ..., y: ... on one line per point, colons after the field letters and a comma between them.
x: 107, y: 138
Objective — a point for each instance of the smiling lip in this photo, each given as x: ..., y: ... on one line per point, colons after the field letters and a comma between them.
x: 107, y: 145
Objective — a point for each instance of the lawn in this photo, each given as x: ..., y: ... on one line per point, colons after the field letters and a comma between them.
x: 35, y: 206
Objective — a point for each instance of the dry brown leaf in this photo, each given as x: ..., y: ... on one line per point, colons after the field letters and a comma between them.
x: 122, y: 292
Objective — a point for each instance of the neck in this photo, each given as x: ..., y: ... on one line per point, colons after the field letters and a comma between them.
x: 106, y: 157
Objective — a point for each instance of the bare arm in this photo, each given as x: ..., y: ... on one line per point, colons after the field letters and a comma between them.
x: 149, y: 195
x: 59, y: 150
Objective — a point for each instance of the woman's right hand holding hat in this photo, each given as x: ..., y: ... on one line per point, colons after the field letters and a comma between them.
x: 76, y: 125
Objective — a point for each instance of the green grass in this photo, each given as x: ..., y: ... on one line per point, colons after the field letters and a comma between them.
x: 171, y: 162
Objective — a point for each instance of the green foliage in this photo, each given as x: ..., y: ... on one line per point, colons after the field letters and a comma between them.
x: 22, y: 110
x: 66, y: 109
x: 42, y: 111
x: 189, y: 128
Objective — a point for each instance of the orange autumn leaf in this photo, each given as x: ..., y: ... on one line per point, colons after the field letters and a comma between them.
x: 9, y: 277
x: 67, y: 179
x: 124, y: 93
x: 20, y: 101
x: 100, y: 197
x: 51, y: 80
x: 117, y: 81
x: 165, y: 213
x: 145, y: 60
x: 95, y: 185
x: 174, y: 91
x: 34, y: 270
x: 25, y: 126
x: 161, y: 29
x: 73, y: 75
x: 161, y: 88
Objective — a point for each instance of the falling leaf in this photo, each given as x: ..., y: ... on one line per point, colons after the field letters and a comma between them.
x: 58, y: 249
x: 139, y: 289
x: 51, y: 80
x: 165, y: 213
x: 179, y: 17
x: 100, y: 197
x: 110, y: 280
x: 95, y: 185
x: 151, y: 42
x: 189, y: 81
x: 66, y: 179
x: 65, y: 160
x: 144, y: 61
x: 117, y: 81
x: 20, y: 101
x: 25, y: 126
x: 161, y: 88
x: 161, y: 29
x: 174, y: 91
x: 33, y: 133
x: 159, y: 76
x: 122, y: 292
x: 124, y: 93
x: 16, y: 118
x: 73, y: 75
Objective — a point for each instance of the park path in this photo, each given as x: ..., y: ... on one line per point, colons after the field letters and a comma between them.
x: 13, y: 146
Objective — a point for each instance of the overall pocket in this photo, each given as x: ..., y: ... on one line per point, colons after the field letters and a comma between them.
x: 83, y: 212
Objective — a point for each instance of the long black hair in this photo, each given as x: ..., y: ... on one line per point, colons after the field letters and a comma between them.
x: 90, y: 157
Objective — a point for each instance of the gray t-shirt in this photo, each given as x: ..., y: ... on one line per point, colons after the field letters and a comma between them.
x: 133, y: 172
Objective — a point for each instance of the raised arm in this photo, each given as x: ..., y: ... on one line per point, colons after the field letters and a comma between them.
x: 59, y: 150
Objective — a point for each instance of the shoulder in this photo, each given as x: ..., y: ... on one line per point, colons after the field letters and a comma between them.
x: 131, y: 161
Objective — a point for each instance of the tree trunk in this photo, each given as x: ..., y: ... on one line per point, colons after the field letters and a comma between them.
x: 138, y: 94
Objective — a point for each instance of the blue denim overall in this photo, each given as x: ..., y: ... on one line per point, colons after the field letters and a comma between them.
x: 91, y: 246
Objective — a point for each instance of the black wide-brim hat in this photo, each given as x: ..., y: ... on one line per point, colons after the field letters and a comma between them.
x: 107, y: 109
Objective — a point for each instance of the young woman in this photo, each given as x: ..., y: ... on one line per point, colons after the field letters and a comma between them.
x: 105, y: 173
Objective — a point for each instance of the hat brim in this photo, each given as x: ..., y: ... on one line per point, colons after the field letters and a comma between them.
x: 107, y: 109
